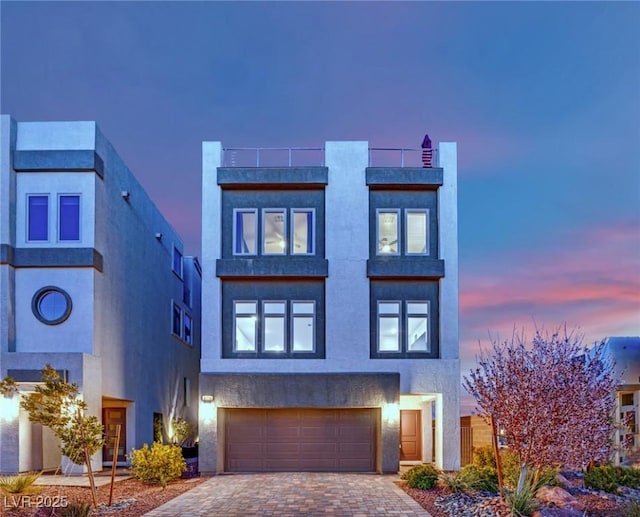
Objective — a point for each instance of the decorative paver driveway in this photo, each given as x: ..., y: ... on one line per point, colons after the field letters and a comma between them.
x: 293, y: 494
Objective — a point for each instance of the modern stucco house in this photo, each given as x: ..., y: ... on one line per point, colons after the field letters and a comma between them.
x: 93, y: 281
x: 625, y: 353
x: 330, y: 303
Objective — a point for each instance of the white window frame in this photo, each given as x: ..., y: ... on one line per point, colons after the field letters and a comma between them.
x: 406, y: 323
x: 263, y: 235
x: 176, y: 305
x: 292, y: 242
x: 173, y: 261
x: 59, y: 217
x: 408, y: 211
x: 28, y: 217
x: 274, y: 315
x: 253, y: 211
x: 398, y: 213
x: 295, y: 315
x: 397, y: 316
x: 255, y: 326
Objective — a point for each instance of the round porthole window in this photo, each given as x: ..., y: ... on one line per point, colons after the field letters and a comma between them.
x: 51, y: 305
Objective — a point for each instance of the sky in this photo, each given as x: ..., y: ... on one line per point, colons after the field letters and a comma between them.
x: 543, y: 99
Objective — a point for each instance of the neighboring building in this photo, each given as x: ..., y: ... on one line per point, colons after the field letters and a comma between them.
x: 475, y: 433
x: 92, y: 281
x: 625, y: 352
x: 331, y: 302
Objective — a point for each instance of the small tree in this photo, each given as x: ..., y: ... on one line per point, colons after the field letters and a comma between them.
x: 554, y: 400
x: 55, y: 404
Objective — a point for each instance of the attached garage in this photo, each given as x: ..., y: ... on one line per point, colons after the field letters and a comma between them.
x: 299, y: 439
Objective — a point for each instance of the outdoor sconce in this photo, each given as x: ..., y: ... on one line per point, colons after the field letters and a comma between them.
x: 125, y: 195
x: 207, y: 409
x: 9, y: 407
x: 159, y: 236
x: 391, y: 412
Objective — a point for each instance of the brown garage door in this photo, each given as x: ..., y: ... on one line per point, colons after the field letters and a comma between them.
x: 289, y: 440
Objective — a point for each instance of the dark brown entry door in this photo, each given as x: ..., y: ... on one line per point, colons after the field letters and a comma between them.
x: 290, y: 440
x: 410, y: 435
x: 111, y: 417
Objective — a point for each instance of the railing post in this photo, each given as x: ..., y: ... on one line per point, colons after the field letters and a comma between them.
x: 289, y: 156
x: 258, y: 157
x: 401, y: 157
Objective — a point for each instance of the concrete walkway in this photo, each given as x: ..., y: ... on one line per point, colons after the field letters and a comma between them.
x: 294, y: 495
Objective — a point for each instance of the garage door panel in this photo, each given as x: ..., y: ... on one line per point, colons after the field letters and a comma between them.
x: 280, y: 440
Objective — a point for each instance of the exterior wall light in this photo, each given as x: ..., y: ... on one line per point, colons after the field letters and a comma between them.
x: 9, y: 407
x: 391, y: 412
x: 207, y: 409
x: 125, y: 195
x: 159, y: 236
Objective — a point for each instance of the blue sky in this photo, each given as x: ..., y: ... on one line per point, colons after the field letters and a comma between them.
x: 543, y: 99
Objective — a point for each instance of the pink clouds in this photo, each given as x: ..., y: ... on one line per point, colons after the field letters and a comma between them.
x: 589, y: 280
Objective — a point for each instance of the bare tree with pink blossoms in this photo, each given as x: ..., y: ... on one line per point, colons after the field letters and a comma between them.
x: 554, y: 400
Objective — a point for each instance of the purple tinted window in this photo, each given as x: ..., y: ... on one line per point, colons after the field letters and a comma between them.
x: 69, y: 218
x: 38, y: 218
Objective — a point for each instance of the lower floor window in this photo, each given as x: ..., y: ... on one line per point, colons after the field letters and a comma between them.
x: 403, y: 326
x: 274, y: 326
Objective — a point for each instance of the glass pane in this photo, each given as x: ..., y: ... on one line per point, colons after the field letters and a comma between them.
x: 417, y: 334
x: 387, y: 232
x: 245, y: 233
x: 177, y: 261
x: 187, y: 328
x: 389, y: 308
x: 245, y: 307
x: 274, y: 334
x: 52, y: 305
x: 303, y: 308
x: 274, y: 308
x: 302, y: 232
x: 303, y: 334
x: 69, y: 218
x: 245, y: 333
x: 417, y: 232
x: 388, y: 334
x: 177, y: 321
x: 274, y: 240
x: 417, y: 307
x: 38, y: 218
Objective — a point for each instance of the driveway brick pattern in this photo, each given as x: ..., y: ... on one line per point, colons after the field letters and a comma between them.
x: 293, y: 495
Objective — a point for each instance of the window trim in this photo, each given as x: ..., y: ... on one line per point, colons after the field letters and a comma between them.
x: 398, y: 213
x: 234, y: 343
x: 176, y: 251
x: 406, y: 318
x: 427, y: 251
x: 262, y: 317
x: 28, y: 218
x: 175, y: 305
x: 59, y: 214
x: 253, y: 211
x: 313, y: 315
x: 186, y: 316
x: 263, y: 235
x: 403, y: 327
x: 311, y: 211
x: 397, y: 316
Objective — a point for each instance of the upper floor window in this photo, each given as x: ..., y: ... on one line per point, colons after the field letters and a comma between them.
x: 388, y: 231
x: 176, y: 320
x: 403, y: 326
x: 187, y: 334
x: 282, y: 231
x: 69, y: 218
x: 38, y: 217
x: 274, y: 327
x: 245, y: 226
x: 177, y: 262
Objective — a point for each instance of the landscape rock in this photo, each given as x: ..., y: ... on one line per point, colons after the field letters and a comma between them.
x: 559, y: 497
x: 557, y: 512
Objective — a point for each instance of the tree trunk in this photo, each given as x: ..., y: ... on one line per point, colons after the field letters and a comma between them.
x: 522, y: 479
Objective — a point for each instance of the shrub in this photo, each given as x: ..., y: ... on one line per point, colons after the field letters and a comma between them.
x: 423, y: 477
x: 608, y: 478
x: 182, y: 432
x: 455, y: 482
x: 484, y: 457
x: 157, y: 464
x: 75, y: 510
x: 480, y: 478
x: 523, y: 504
x: 20, y: 483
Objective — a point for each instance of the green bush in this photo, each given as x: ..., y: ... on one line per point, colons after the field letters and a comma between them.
x: 75, y: 510
x: 423, y: 477
x: 609, y: 478
x: 20, y: 483
x: 158, y: 464
x: 523, y: 504
x: 480, y: 478
x: 455, y: 482
x: 484, y: 457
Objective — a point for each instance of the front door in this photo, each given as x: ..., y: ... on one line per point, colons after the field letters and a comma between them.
x: 410, y: 435
x: 111, y: 417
